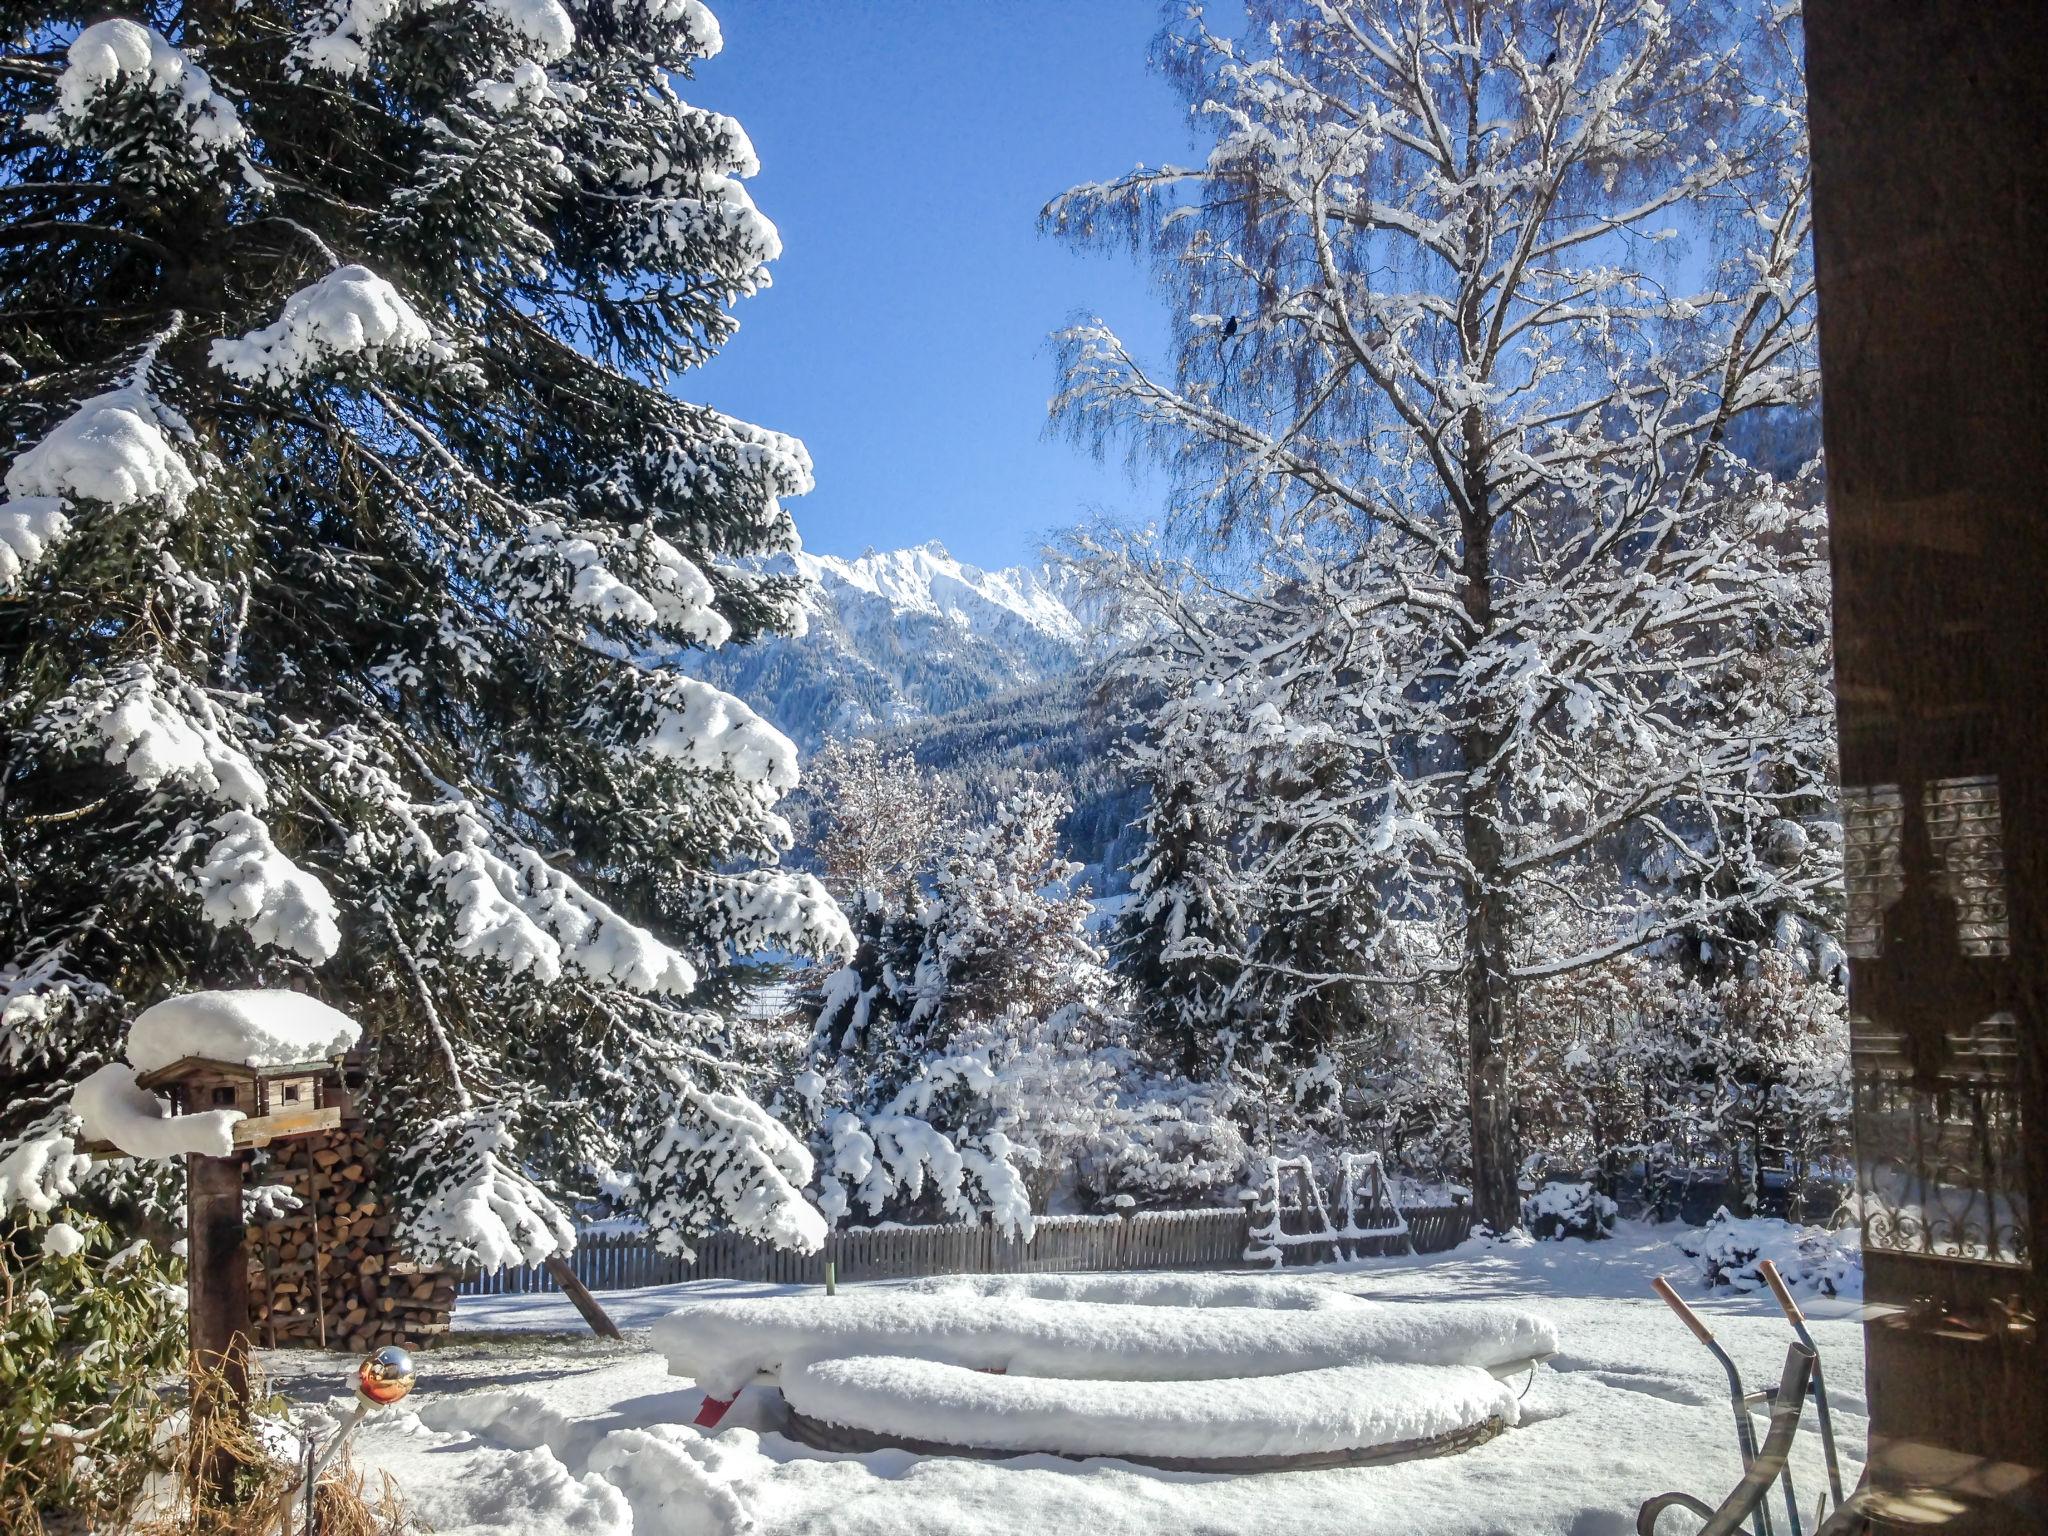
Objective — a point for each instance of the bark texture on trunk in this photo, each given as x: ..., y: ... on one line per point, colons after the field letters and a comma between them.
x: 1496, y: 1199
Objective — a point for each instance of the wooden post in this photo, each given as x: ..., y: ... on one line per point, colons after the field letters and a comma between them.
x: 217, y: 1296
x: 319, y: 1254
x: 593, y: 1314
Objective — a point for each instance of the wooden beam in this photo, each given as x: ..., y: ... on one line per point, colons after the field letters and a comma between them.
x: 261, y: 1130
x: 593, y: 1314
x: 1930, y: 219
x: 217, y: 1296
x: 176, y: 1071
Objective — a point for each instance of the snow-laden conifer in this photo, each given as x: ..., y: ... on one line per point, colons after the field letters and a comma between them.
x: 348, y: 511
x: 974, y: 1058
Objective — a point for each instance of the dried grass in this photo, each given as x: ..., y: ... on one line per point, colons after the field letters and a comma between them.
x: 268, y: 1497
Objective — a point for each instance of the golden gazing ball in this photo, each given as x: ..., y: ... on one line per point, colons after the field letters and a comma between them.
x: 385, y: 1375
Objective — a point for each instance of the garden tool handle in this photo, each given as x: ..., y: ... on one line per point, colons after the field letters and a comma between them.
x: 1782, y: 1291
x: 1686, y: 1315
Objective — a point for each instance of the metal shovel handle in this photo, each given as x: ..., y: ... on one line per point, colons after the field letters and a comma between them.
x: 1797, y: 1318
x: 1686, y: 1315
x: 1786, y: 1302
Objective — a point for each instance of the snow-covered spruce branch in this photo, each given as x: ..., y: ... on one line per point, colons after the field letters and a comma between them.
x: 355, y: 528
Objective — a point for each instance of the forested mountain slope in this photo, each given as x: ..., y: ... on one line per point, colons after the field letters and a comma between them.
x: 904, y: 635
x: 981, y: 675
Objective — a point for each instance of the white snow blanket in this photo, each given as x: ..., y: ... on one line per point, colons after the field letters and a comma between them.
x: 264, y: 1027
x: 1300, y: 1413
x: 1162, y: 1365
x: 530, y: 1427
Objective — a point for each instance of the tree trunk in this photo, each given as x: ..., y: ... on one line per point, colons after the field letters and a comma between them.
x: 1496, y: 1199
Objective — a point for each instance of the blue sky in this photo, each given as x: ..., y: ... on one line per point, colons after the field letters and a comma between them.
x: 906, y: 148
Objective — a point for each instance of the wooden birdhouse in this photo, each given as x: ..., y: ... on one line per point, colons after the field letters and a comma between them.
x: 272, y: 1060
x: 295, y: 1099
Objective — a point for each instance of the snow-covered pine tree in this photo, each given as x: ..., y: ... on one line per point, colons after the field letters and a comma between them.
x: 1178, y: 946
x: 347, y: 516
x: 965, y: 1042
x: 863, y: 1006
x: 1006, y: 928
x: 1255, y: 915
x: 1470, y: 298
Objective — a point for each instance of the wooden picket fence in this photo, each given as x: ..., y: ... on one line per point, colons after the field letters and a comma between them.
x: 1436, y: 1228
x: 1215, y: 1239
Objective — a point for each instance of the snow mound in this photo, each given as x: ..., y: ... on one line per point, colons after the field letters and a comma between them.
x: 115, y: 1108
x: 113, y: 449
x: 543, y: 24
x: 711, y: 730
x: 42, y: 1167
x: 246, y: 880
x: 475, y: 1207
x: 529, y: 916
x: 263, y: 1028
x: 1558, y: 1211
x: 1729, y: 1248
x: 156, y: 726
x: 342, y: 35
x: 29, y: 526
x: 670, y: 1467
x: 723, y: 1345
x: 1183, y: 1368
x: 1301, y: 1414
x: 118, y: 53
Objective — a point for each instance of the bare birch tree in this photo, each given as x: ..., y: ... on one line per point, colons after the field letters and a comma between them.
x: 1476, y: 299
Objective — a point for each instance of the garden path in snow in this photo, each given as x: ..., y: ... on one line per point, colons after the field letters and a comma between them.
x: 525, y: 1425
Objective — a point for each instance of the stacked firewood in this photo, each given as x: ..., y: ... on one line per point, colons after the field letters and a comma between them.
x: 326, y: 1273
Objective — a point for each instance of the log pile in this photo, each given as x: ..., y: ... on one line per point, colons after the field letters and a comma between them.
x: 327, y: 1274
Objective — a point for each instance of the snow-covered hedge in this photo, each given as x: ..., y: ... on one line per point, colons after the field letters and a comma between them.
x: 1559, y: 1211
x: 1812, y: 1259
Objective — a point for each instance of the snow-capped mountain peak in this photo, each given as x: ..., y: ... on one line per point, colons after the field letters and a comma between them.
x: 899, y: 635
x: 927, y: 579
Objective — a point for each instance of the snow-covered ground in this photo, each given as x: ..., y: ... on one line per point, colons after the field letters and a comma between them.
x: 525, y: 1423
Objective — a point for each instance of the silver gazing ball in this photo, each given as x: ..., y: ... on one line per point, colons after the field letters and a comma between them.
x: 385, y: 1375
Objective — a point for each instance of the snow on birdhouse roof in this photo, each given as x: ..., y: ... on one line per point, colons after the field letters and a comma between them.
x: 256, y: 1028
